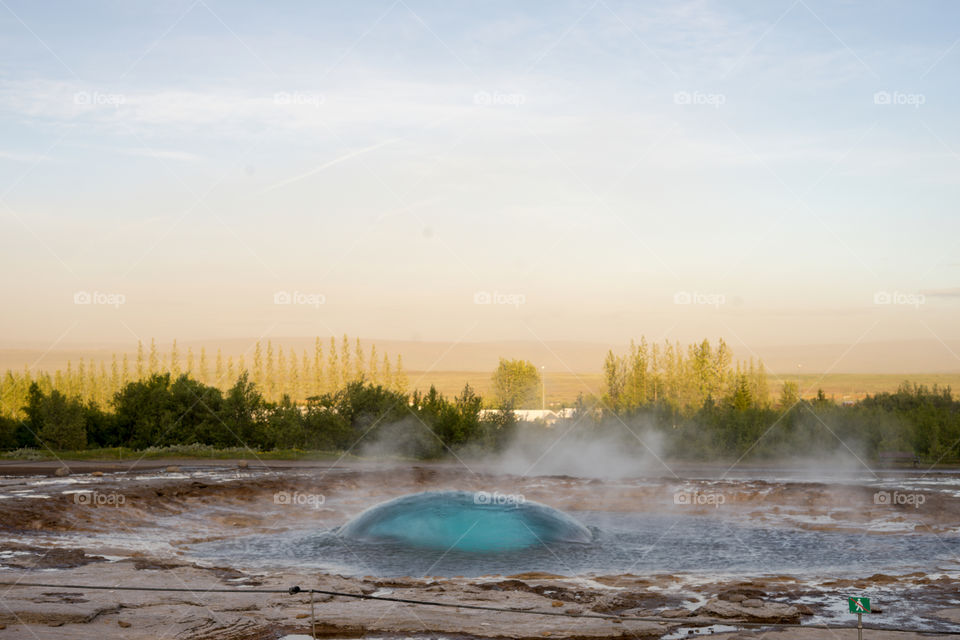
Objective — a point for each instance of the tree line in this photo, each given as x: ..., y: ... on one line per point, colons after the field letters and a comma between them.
x: 697, y: 400
x: 275, y: 371
x: 682, y: 378
x: 703, y: 404
x: 161, y: 411
x: 916, y: 422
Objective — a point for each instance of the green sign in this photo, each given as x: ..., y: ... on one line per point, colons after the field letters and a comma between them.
x: 859, y: 605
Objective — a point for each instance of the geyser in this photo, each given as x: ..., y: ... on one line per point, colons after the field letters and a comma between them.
x: 465, y: 521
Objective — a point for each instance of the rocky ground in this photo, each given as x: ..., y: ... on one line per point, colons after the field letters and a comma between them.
x: 59, y: 538
x: 198, y: 612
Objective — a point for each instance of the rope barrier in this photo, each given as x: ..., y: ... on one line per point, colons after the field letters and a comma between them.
x: 433, y: 603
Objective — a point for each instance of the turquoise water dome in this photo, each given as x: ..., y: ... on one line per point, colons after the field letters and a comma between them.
x: 465, y: 521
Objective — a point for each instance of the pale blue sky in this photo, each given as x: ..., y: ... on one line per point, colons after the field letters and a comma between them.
x: 596, y: 158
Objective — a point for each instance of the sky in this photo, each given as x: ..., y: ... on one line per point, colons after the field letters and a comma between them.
x: 780, y: 172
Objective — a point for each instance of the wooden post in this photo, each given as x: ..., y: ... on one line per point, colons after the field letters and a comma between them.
x: 859, y: 626
x: 313, y: 626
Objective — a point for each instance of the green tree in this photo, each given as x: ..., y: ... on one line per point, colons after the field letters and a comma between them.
x: 515, y: 384
x: 346, y: 373
x: 144, y: 411
x: 333, y: 368
x: 399, y: 381
x: 358, y: 361
x: 306, y: 377
x: 174, y: 360
x: 318, y: 381
x: 285, y: 428
x: 386, y: 378
x: 789, y: 394
x: 636, y: 387
x: 614, y: 379
x: 269, y: 384
x: 243, y: 414
x: 280, y: 384
x: 62, y: 424
x: 468, y: 405
x: 742, y: 398
x: 761, y: 388
x: 258, y: 376
x: 154, y: 362
x: 497, y: 429
x: 373, y: 374
x: 114, y: 385
x: 292, y: 379
x: 141, y: 366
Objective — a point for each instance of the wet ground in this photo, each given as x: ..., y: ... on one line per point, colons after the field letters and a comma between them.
x: 672, y: 544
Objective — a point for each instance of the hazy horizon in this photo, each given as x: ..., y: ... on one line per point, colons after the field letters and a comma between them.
x: 779, y: 175
x: 904, y: 358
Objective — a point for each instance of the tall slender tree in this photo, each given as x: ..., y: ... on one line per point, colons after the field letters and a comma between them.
x: 154, y: 364
x: 359, y: 360
x: 346, y: 373
x: 306, y: 377
x: 204, y: 370
x: 387, y: 375
x: 174, y: 360
x: 333, y: 367
x: 400, y: 376
x: 114, y: 376
x: 270, y: 382
x: 125, y: 373
x: 372, y: 369
x: 141, y: 366
x: 258, y: 366
x: 292, y: 382
x: 318, y: 381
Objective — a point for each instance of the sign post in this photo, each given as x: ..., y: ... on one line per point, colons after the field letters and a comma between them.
x: 859, y: 606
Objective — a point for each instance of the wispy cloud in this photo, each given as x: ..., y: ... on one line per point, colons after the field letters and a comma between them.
x: 16, y: 156
x: 164, y: 154
x: 326, y: 165
x: 953, y: 292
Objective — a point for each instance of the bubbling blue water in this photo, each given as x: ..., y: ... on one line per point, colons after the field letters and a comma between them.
x: 464, y: 521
